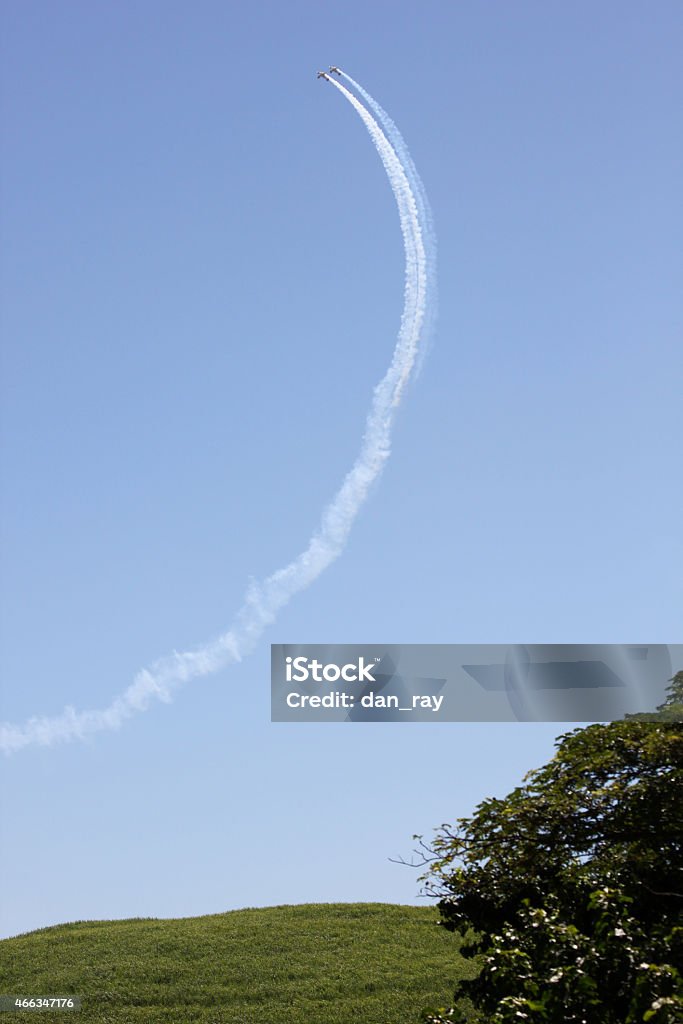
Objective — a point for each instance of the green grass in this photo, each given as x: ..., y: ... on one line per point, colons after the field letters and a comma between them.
x: 355, y: 963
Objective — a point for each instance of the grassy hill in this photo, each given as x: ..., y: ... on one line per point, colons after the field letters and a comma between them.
x: 357, y: 963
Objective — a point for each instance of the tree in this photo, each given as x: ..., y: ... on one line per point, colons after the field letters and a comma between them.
x: 569, y: 892
x: 672, y: 708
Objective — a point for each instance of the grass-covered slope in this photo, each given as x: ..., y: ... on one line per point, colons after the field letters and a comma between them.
x: 353, y: 963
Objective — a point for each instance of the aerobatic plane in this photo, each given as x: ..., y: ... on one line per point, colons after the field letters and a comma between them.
x: 336, y: 71
x: 323, y: 74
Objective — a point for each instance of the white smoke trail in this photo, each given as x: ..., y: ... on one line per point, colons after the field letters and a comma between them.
x: 424, y: 210
x: 264, y: 600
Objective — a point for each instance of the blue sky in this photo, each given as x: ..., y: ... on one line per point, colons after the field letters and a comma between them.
x: 201, y: 282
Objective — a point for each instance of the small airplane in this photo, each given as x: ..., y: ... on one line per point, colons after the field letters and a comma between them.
x: 336, y: 71
x: 323, y: 74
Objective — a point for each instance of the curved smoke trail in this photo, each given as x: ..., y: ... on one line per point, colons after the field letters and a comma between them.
x: 424, y: 210
x: 264, y: 600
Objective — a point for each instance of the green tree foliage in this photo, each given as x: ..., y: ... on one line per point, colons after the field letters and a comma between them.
x: 569, y: 892
x: 672, y: 708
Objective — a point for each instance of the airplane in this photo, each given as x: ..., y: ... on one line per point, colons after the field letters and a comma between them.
x: 336, y: 71
x: 323, y: 74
